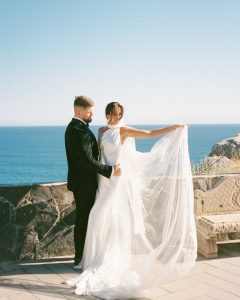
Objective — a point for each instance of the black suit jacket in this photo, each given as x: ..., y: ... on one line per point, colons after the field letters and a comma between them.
x: 82, y: 156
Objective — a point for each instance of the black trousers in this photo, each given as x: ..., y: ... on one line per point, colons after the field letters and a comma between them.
x: 84, y: 198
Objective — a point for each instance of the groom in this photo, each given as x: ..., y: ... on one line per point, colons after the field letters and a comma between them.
x: 83, y: 166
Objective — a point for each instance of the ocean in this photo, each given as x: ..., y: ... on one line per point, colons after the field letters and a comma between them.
x: 36, y: 154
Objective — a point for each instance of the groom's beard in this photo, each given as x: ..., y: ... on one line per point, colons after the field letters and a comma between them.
x: 89, y: 120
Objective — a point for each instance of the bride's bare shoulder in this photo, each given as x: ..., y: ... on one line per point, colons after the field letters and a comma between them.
x: 101, y: 131
x: 126, y: 128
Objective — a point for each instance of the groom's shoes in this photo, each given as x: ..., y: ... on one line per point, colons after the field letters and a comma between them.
x: 77, y: 265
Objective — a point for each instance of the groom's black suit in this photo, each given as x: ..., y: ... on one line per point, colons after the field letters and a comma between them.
x: 83, y: 166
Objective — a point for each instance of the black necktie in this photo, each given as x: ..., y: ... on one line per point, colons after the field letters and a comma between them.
x: 87, y: 124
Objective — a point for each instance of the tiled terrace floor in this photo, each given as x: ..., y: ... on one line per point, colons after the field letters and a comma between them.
x: 43, y: 279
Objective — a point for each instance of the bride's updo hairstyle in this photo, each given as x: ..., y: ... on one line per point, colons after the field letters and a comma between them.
x: 111, y: 107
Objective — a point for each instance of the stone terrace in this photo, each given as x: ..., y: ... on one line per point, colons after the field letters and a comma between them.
x: 37, y: 221
x: 43, y: 279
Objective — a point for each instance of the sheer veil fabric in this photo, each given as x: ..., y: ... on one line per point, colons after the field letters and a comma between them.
x: 141, y: 229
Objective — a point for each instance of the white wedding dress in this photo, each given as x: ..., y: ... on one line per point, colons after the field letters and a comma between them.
x: 141, y: 229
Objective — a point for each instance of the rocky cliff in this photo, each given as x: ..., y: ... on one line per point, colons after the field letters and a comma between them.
x: 229, y: 147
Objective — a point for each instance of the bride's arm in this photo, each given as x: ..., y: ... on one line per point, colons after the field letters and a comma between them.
x: 101, y: 131
x: 99, y: 136
x: 139, y: 133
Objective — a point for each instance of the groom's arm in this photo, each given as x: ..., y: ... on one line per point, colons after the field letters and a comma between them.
x: 82, y: 152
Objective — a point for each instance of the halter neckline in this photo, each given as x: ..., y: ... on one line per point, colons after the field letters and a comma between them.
x: 118, y: 125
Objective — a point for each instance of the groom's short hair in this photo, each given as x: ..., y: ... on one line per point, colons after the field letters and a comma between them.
x: 83, y: 101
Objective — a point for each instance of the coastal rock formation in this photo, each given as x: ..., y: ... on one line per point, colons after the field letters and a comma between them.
x: 229, y: 147
x: 211, y: 164
x: 36, y: 221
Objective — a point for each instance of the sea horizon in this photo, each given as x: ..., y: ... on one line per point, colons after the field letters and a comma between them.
x: 34, y: 154
x: 137, y: 124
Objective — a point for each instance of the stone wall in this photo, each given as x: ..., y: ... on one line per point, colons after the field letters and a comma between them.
x: 38, y: 220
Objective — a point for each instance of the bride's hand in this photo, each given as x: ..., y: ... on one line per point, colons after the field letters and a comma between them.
x: 180, y: 126
x: 117, y: 170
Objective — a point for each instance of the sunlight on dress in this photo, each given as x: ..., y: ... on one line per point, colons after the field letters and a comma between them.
x: 141, y: 229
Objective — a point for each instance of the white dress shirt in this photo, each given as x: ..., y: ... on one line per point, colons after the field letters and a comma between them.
x: 80, y: 120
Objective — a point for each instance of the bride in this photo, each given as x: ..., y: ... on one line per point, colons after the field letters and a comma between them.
x: 141, y: 229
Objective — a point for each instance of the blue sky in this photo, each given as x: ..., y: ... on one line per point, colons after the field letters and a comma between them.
x: 165, y: 61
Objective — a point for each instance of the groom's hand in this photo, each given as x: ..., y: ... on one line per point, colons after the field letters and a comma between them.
x: 117, y: 170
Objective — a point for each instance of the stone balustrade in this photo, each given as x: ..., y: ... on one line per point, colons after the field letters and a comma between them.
x: 217, y: 211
